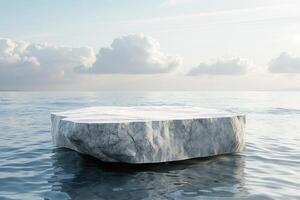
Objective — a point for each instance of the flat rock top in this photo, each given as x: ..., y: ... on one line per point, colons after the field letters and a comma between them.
x: 119, y: 114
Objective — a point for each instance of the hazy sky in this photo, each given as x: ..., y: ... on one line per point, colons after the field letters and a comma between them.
x: 149, y: 45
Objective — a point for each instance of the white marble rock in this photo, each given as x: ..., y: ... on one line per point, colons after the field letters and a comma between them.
x: 148, y: 134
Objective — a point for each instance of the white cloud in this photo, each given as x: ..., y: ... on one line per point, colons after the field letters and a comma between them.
x: 25, y: 65
x: 133, y: 54
x: 234, y: 66
x: 22, y: 63
x: 285, y: 63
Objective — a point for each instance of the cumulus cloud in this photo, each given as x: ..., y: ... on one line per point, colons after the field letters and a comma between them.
x: 285, y: 63
x: 132, y: 54
x: 24, y: 63
x: 235, y: 66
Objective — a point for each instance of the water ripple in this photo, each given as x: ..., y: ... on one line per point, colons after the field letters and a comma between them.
x: 32, y: 168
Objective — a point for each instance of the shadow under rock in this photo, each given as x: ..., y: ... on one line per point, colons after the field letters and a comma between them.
x: 85, y: 177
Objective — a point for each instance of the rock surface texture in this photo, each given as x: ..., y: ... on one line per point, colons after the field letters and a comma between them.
x: 148, y: 134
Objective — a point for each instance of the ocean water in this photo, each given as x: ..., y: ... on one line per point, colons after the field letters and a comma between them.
x: 31, y: 167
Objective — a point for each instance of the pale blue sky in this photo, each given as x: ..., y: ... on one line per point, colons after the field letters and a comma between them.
x: 78, y: 22
x: 194, y: 31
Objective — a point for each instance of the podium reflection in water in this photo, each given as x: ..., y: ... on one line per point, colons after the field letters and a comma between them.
x: 83, y: 177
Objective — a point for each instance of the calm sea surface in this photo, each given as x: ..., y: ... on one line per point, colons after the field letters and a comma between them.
x: 31, y: 167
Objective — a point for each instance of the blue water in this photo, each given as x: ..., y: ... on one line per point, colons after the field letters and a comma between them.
x: 31, y: 167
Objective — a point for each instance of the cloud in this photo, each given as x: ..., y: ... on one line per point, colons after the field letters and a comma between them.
x: 25, y: 65
x: 22, y: 63
x: 132, y: 54
x: 285, y: 63
x: 235, y: 66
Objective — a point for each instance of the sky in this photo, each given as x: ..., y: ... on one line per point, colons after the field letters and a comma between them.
x: 149, y: 45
